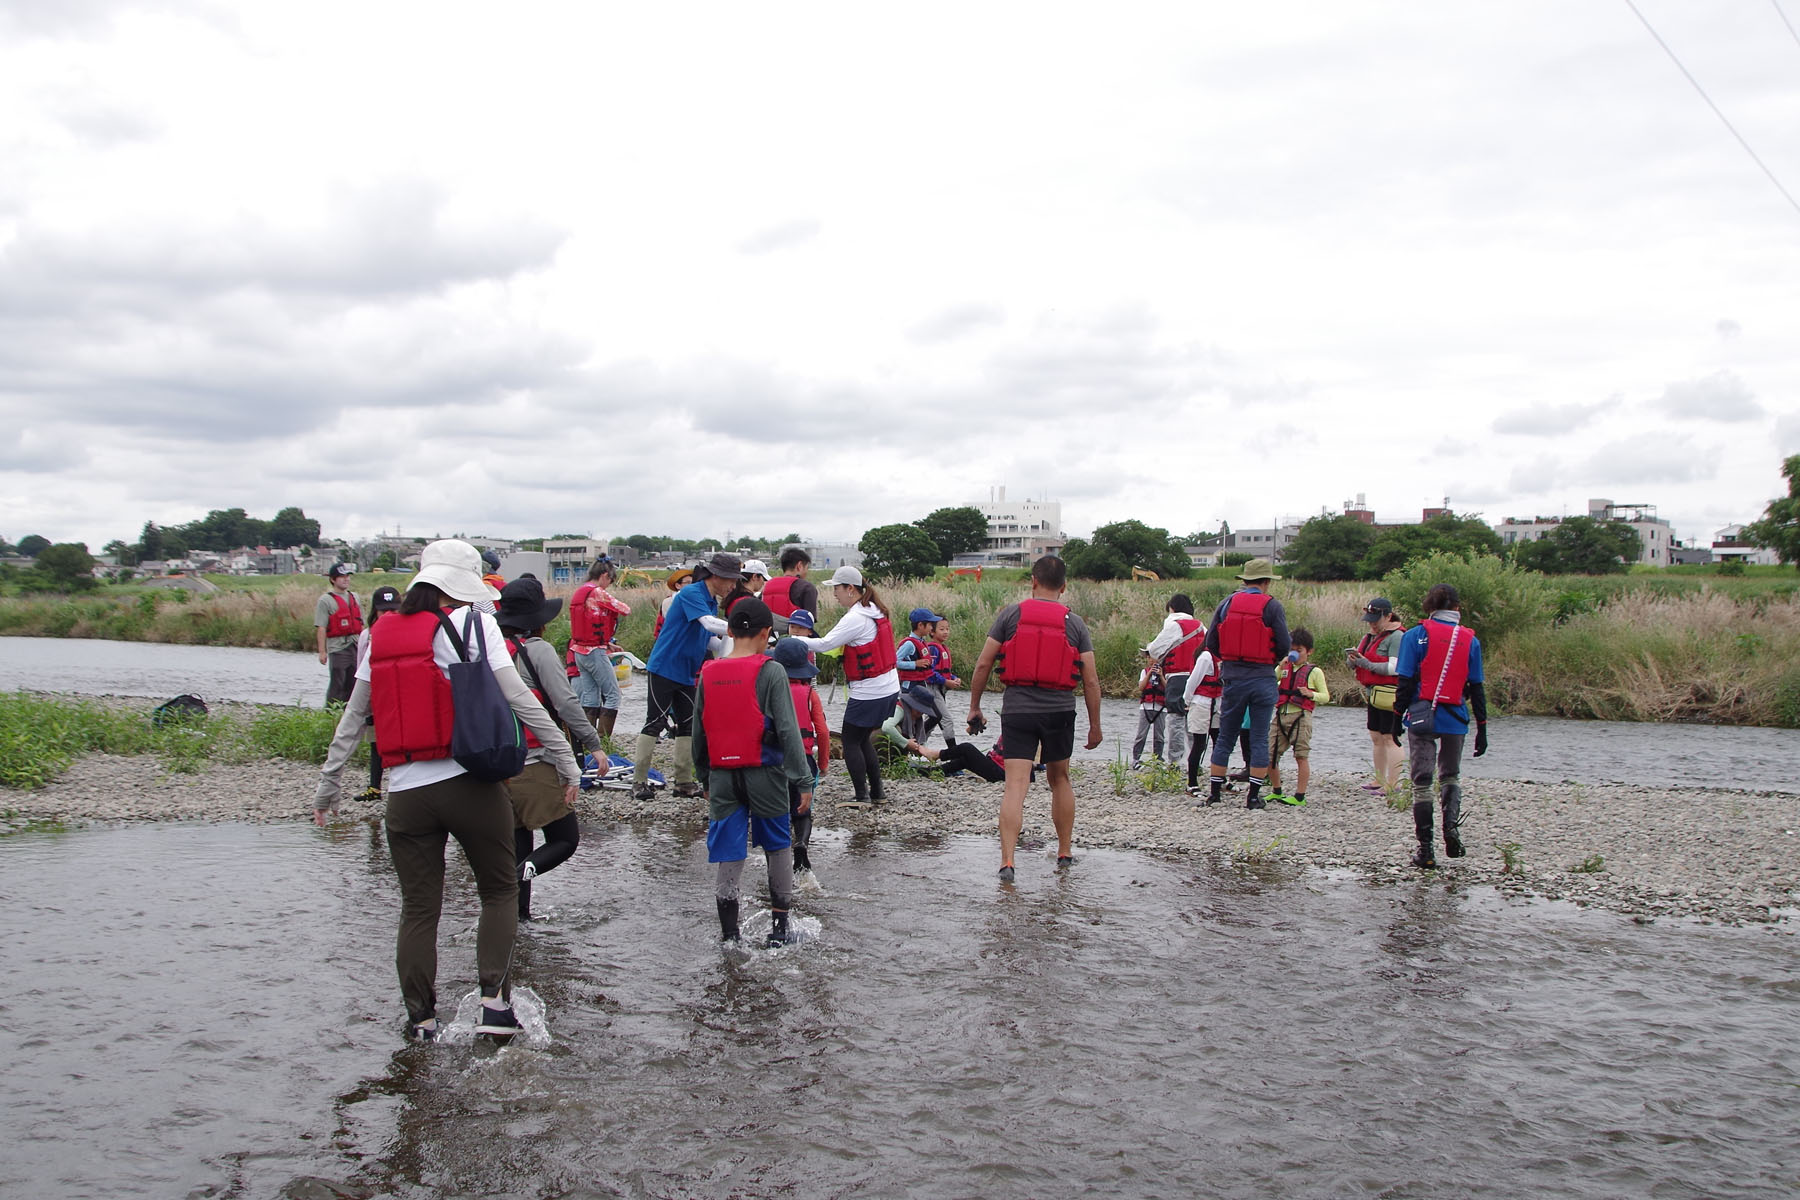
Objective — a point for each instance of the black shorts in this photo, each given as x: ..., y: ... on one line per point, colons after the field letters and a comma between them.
x: 1025, y: 735
x: 1383, y: 720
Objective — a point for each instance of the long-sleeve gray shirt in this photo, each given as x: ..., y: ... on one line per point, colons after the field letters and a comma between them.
x: 766, y: 787
x: 547, y: 671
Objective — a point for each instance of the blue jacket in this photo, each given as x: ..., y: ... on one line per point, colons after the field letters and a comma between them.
x: 681, y: 646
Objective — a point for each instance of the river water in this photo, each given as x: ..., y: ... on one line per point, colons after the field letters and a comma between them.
x: 210, y: 1011
x: 1546, y: 749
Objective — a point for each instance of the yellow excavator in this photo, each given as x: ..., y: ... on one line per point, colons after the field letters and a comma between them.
x: 1140, y: 574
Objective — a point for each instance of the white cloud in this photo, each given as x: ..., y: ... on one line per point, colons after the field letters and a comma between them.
x: 1721, y: 396
x: 1552, y: 420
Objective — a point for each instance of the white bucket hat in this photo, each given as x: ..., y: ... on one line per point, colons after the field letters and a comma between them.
x: 455, y: 569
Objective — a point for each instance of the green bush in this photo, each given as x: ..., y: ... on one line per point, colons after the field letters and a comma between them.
x: 1498, y: 600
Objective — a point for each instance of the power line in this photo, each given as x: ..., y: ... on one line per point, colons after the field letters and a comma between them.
x: 1754, y: 157
x: 1784, y: 20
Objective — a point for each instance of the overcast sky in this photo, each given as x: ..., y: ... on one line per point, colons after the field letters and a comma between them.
x: 676, y: 268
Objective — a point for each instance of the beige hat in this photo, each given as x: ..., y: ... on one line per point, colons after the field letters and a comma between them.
x: 455, y: 569
x: 1257, y: 569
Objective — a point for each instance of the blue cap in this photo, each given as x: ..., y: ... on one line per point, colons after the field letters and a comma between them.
x: 802, y: 618
x: 794, y: 659
x: 923, y: 616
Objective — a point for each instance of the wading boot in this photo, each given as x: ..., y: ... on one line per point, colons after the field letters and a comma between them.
x: 779, y: 933
x: 728, y: 918
x: 1425, y: 859
x: 593, y: 717
x: 685, y: 787
x: 1253, y: 798
x: 608, y: 718
x: 1453, y: 844
x: 1215, y: 791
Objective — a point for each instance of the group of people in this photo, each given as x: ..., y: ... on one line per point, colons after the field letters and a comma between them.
x: 750, y: 735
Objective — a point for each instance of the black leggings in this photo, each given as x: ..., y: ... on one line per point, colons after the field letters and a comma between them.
x: 1196, y: 755
x: 561, y: 836
x: 962, y: 756
x: 860, y: 760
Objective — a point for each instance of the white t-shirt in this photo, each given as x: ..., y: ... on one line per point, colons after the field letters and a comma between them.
x: 436, y: 770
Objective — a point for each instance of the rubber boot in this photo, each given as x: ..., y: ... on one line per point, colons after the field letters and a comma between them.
x: 640, y: 767
x: 779, y: 934
x: 684, y: 783
x: 608, y: 718
x: 593, y: 717
x: 876, y: 795
x: 728, y: 920
x: 802, y: 836
x: 524, y: 899
x: 1215, y: 789
x: 1425, y: 859
x: 1452, y: 798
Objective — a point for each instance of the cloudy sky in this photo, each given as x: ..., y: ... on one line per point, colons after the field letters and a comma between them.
x: 681, y: 268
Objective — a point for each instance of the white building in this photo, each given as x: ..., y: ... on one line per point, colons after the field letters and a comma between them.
x: 570, y: 558
x: 828, y: 556
x: 1019, y: 532
x: 1656, y: 537
x: 1729, y: 546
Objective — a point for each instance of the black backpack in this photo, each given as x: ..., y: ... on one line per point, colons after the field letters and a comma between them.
x: 178, y: 711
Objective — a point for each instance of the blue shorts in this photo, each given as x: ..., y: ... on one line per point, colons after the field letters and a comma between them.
x: 729, y: 840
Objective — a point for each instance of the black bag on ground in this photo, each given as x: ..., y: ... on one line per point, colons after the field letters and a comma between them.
x: 486, y: 739
x: 181, y: 709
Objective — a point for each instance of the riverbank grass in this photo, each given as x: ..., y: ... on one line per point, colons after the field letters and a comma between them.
x: 41, y: 737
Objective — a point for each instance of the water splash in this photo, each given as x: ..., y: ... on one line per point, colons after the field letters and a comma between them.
x: 528, y: 1006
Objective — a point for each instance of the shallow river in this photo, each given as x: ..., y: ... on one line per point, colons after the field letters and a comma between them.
x: 1539, y: 748
x: 203, y: 1010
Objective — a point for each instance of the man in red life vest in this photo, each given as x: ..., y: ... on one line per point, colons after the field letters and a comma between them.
x: 337, y: 620
x: 1044, y: 652
x: 1249, y: 635
x: 791, y: 589
x: 1441, y: 692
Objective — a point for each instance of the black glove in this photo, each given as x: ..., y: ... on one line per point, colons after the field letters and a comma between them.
x: 977, y: 723
x: 1397, y: 740
x: 1480, y: 739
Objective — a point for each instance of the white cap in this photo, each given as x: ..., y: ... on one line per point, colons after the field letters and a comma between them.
x: 849, y: 575
x: 756, y: 566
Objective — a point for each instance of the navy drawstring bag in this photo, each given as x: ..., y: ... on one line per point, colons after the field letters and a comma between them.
x: 486, y: 739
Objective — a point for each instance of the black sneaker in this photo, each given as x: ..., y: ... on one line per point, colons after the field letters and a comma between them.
x: 687, y: 791
x: 1255, y: 802
x: 1006, y: 874
x: 643, y: 791
x: 498, y: 1023
x: 1424, y: 859
x: 1064, y: 860
x: 422, y: 1031
x: 780, y: 934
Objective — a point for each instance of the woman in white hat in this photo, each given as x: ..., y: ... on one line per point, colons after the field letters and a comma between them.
x: 866, y: 632
x: 404, y: 681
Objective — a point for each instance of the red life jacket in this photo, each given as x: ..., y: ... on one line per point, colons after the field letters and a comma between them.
x: 1445, y: 671
x: 569, y: 667
x: 581, y: 622
x: 1152, y: 690
x: 941, y: 664
x: 801, y: 690
x: 409, y: 695
x: 874, y: 657
x: 528, y: 673
x: 921, y: 669
x: 1242, y: 635
x: 775, y: 595
x: 1038, y: 653
x: 1180, y: 659
x: 738, y: 732
x: 1210, y: 686
x: 347, y: 621
x: 1366, y: 648
x: 1293, y: 678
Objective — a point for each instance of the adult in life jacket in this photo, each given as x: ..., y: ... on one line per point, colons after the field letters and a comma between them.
x: 815, y: 737
x: 337, y: 620
x: 594, y: 614
x: 866, y: 632
x: 1249, y: 635
x: 1174, y: 649
x: 536, y: 792
x: 748, y: 753
x: 404, y: 682
x: 1374, y: 661
x: 1044, y: 653
x: 1440, y: 690
x: 791, y: 589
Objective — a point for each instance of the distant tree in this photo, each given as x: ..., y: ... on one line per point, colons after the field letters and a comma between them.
x: 1328, y: 548
x: 956, y: 531
x: 150, y: 543
x: 226, y: 529
x: 123, y: 553
x: 33, y: 544
x: 1234, y: 558
x: 66, y: 567
x: 1115, y: 549
x: 898, y: 552
x: 1446, y: 533
x: 174, y: 544
x: 1582, y: 546
x: 1779, y: 528
x: 1088, y: 561
x: 292, y: 527
x: 7, y: 547
x: 385, y: 560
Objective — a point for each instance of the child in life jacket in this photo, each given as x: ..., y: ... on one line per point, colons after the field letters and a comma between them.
x: 1152, y: 706
x: 815, y: 735
x: 747, y: 752
x: 1300, y: 686
x: 923, y: 662
x: 955, y: 756
x: 1204, y: 687
x: 385, y: 600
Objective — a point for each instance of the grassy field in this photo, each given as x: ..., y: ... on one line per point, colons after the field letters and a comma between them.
x: 1670, y: 645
